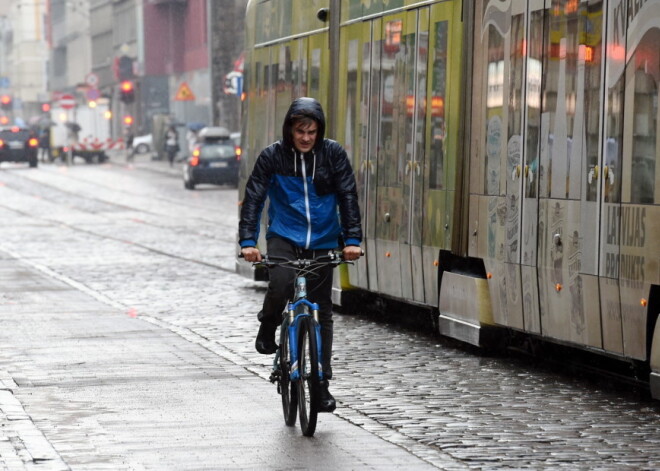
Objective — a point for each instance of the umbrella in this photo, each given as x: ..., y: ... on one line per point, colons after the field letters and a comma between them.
x: 196, y: 126
x: 74, y: 127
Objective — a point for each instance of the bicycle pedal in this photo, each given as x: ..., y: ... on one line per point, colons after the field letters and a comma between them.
x: 274, y: 376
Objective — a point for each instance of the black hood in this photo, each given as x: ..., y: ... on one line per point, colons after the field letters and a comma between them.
x: 310, y: 108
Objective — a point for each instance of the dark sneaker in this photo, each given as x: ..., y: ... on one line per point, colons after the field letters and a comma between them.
x: 265, y: 343
x: 327, y: 403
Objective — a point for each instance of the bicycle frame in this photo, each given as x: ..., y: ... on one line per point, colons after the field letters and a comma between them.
x: 291, y: 322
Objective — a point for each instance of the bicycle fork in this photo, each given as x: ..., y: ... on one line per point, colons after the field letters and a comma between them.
x: 293, y: 336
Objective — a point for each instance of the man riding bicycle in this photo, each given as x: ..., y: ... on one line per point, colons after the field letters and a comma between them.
x: 306, y: 178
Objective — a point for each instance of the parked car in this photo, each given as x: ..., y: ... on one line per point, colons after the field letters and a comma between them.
x: 236, y: 137
x: 18, y: 144
x: 142, y: 144
x: 214, y: 160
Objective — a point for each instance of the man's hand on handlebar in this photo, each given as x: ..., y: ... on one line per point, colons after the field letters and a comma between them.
x: 251, y: 254
x: 351, y: 252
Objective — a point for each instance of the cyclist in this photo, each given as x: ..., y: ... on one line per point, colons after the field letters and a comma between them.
x: 306, y: 179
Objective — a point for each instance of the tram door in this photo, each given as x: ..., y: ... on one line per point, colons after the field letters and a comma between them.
x: 358, y: 131
x: 416, y: 42
x: 501, y: 65
x: 401, y: 135
x: 570, y: 127
x: 629, y: 177
x: 440, y: 150
x: 534, y: 31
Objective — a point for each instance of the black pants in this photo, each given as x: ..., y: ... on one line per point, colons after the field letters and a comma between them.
x: 281, y: 290
x: 171, y: 153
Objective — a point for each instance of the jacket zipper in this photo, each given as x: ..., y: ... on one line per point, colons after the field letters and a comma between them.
x: 307, y: 212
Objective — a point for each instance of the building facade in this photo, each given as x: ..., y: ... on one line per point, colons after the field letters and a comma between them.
x: 23, y: 57
x: 175, y: 53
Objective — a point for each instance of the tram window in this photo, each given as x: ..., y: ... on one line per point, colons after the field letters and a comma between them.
x: 612, y: 148
x: 284, y: 69
x: 257, y: 78
x: 303, y: 76
x: 590, y: 17
x: 296, y: 71
x: 407, y: 145
x: 386, y: 146
x: 534, y: 90
x: 572, y: 94
x: 315, y: 73
x: 295, y: 77
x: 266, y: 76
x: 375, y: 113
x: 495, y: 134
x: 439, y: 92
x: 350, y: 136
x: 365, y: 151
x: 274, y: 75
x: 645, y: 125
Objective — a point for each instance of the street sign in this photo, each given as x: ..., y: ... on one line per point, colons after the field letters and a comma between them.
x: 93, y: 94
x: 234, y: 83
x: 184, y: 93
x: 67, y: 101
x: 92, y: 79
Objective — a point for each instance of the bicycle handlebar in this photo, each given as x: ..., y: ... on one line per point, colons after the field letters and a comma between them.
x: 331, y: 258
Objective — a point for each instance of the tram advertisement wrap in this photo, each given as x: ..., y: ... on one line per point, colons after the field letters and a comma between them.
x: 626, y: 229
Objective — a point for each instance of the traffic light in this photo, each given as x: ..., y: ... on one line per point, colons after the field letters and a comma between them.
x: 6, y: 102
x: 45, y: 107
x: 127, y: 91
x: 128, y: 120
x: 125, y: 68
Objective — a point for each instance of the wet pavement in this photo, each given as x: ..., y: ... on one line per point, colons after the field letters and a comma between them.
x: 86, y: 385
x: 128, y: 341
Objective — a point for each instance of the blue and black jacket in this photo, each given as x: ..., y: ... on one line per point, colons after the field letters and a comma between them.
x: 313, y: 196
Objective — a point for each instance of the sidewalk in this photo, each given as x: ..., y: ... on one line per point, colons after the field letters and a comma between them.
x: 146, y: 161
x: 87, y: 384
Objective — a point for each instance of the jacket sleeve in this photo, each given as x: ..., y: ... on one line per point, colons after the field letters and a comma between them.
x: 347, y: 198
x: 256, y: 191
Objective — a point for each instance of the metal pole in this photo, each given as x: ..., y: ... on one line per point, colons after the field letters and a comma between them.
x: 333, y: 38
x: 209, y: 45
x: 69, y: 154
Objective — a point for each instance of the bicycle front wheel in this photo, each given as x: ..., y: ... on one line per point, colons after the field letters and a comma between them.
x: 309, y: 383
x: 288, y: 390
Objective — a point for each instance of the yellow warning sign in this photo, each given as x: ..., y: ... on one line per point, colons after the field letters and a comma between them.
x: 184, y: 93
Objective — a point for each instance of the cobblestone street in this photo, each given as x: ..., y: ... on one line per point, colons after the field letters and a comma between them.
x: 160, y: 261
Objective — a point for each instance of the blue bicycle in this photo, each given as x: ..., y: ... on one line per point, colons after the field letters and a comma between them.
x: 297, y: 366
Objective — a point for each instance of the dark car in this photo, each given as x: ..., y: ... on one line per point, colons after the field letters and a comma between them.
x: 214, y: 160
x: 18, y: 145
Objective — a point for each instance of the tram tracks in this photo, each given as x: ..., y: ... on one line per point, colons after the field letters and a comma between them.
x: 199, y: 227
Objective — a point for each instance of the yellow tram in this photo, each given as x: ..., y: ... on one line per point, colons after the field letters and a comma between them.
x: 505, y: 152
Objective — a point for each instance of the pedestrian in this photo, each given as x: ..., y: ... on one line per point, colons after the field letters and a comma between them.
x: 129, y: 145
x: 171, y: 144
x: 191, y: 137
x: 44, y: 145
x: 306, y: 178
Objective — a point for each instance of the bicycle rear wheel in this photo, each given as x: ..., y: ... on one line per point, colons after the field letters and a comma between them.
x: 288, y: 390
x: 309, y: 384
